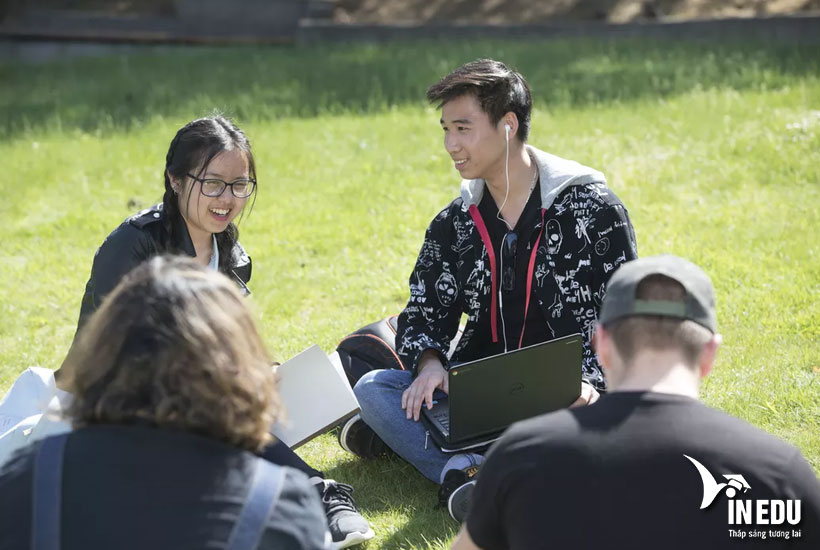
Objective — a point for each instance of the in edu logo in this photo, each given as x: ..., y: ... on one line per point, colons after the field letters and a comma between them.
x: 760, y: 512
x: 712, y: 488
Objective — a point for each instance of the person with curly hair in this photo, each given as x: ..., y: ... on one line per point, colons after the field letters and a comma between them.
x: 173, y: 395
x: 209, y: 177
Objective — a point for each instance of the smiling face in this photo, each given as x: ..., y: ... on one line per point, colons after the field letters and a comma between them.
x: 476, y: 145
x: 206, y: 215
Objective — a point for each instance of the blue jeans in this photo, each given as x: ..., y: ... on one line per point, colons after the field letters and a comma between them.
x: 379, y: 394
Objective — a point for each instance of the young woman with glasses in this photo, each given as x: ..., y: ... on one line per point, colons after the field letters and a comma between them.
x: 210, y: 176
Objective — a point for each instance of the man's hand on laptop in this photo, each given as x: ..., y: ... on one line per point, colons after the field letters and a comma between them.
x: 432, y: 376
x: 589, y: 395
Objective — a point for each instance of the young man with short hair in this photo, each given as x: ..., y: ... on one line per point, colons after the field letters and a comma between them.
x: 648, y: 465
x: 524, y: 252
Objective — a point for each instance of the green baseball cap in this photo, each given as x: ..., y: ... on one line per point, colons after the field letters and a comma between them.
x: 698, y: 306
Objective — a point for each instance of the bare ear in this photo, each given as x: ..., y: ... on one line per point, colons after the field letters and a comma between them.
x: 709, y: 354
x: 176, y: 185
x: 602, y: 344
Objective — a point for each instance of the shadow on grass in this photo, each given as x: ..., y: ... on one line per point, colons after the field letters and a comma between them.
x: 399, y: 501
x: 264, y: 83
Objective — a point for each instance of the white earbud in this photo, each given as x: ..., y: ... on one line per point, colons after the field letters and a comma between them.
x: 507, y: 133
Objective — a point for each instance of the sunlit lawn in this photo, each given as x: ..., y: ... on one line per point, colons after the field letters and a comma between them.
x: 713, y: 148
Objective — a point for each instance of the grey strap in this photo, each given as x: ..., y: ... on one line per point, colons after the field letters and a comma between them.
x: 264, y: 492
x: 48, y: 482
x: 48, y: 472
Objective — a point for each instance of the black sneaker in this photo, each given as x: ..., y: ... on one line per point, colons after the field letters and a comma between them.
x: 457, y: 490
x: 459, y: 502
x: 358, y: 438
x: 346, y: 524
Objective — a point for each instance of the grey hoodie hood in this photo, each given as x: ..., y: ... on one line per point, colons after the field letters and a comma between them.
x: 555, y: 173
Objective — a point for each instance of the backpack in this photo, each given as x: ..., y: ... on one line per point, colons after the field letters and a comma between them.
x: 371, y: 347
x: 374, y: 347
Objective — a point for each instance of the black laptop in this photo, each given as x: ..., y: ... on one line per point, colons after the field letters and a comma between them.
x: 489, y: 394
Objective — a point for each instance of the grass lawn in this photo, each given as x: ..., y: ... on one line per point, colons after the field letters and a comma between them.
x: 714, y: 148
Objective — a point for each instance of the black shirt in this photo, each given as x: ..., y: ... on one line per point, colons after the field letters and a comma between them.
x: 135, y: 487
x: 614, y: 475
x: 511, y: 304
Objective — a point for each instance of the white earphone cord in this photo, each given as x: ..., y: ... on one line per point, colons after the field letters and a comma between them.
x: 498, y: 216
x: 506, y: 176
x: 501, y: 306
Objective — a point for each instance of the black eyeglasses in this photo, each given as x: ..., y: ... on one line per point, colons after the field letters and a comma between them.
x: 508, y: 247
x: 213, y: 187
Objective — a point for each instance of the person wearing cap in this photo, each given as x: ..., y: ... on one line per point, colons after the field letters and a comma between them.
x: 647, y: 465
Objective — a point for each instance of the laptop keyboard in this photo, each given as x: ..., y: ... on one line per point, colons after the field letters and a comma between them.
x: 443, y: 417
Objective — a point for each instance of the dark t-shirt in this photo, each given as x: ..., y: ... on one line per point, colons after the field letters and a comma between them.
x: 614, y: 475
x: 511, y: 306
x: 137, y: 487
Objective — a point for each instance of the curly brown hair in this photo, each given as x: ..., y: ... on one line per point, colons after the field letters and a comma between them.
x: 175, y: 345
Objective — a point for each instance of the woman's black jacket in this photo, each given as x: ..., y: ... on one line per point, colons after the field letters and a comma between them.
x: 138, y: 238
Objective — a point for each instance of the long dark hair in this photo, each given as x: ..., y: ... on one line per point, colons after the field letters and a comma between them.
x: 191, y: 150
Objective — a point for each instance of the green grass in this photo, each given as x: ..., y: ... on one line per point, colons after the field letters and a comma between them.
x: 714, y: 148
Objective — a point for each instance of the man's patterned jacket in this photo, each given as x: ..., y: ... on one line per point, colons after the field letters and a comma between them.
x: 585, y: 234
